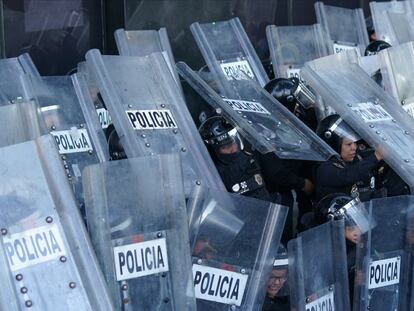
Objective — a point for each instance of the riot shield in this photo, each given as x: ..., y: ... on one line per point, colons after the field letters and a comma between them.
x: 384, y: 14
x: 317, y: 269
x: 14, y: 83
x: 292, y: 46
x: 77, y: 144
x: 151, y: 119
x: 49, y: 255
x: 145, y: 42
x: 234, y: 240
x: 228, y: 51
x: 368, y: 109
x: 138, y: 225
x: 345, y: 28
x: 24, y: 122
x: 397, y: 65
x: 260, y: 119
x: 87, y: 86
x: 383, y: 271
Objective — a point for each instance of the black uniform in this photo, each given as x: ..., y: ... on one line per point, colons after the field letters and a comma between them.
x: 276, y: 304
x: 338, y: 176
x: 241, y: 174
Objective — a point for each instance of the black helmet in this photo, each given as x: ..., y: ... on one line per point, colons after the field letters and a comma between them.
x: 217, y: 132
x: 296, y: 97
x: 290, y: 92
x: 375, y: 47
x: 337, y: 206
x: 333, y: 129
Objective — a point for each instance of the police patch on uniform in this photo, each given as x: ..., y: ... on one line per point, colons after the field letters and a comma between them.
x: 258, y: 179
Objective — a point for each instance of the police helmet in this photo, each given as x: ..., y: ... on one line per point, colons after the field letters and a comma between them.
x: 290, y: 92
x: 333, y: 129
x: 281, y: 260
x: 337, y: 206
x: 116, y: 150
x: 375, y: 47
x: 217, y: 132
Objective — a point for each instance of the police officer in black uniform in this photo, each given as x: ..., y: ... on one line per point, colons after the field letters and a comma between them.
x: 277, y: 293
x: 239, y: 170
x: 350, y: 173
x: 283, y: 175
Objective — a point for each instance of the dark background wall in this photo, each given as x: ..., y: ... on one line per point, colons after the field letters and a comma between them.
x: 57, y: 33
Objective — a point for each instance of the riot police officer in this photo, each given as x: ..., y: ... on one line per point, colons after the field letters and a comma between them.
x: 283, y: 175
x: 239, y: 170
x: 296, y: 97
x: 373, y: 49
x: 277, y: 293
x: 350, y: 173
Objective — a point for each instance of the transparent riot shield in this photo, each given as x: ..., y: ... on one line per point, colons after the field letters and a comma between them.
x: 87, y: 86
x: 14, y: 83
x: 149, y: 113
x: 292, y: 46
x: 145, y: 42
x: 397, y: 69
x: 77, y: 144
x: 368, y: 109
x: 317, y: 269
x: 345, y: 28
x: 24, y: 122
x: 138, y: 225
x: 228, y: 51
x: 234, y: 241
x: 385, y: 23
x: 261, y: 119
x: 383, y: 260
x: 49, y: 255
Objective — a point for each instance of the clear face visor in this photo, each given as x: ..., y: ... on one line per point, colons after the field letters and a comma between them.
x: 343, y: 130
x: 304, y: 96
x: 355, y: 215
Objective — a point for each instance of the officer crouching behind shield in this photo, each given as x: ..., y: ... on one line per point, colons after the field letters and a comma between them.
x: 239, y: 170
x: 277, y: 293
x: 337, y: 206
x: 350, y: 173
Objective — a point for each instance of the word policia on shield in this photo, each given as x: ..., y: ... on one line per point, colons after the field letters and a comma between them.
x: 140, y: 259
x: 31, y: 247
x: 237, y: 70
x: 219, y: 285
x: 151, y: 119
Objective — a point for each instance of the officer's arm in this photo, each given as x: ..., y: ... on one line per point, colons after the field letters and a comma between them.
x: 335, y: 175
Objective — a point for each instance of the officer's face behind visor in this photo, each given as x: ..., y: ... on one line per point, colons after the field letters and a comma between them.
x: 231, y: 145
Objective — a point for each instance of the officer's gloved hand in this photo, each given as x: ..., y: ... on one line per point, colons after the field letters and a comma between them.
x: 379, y: 153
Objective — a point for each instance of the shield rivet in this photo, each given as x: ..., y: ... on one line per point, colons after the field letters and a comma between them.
x: 198, y: 183
x: 19, y: 277
x: 163, y: 274
x: 124, y: 286
x: 62, y: 259
x: 143, y: 135
x: 90, y: 151
x: 72, y: 285
x: 183, y: 149
x: 28, y: 303
x: 147, y: 145
x: 3, y: 231
x: 53, y: 127
x: 159, y: 234
x: 23, y: 290
x: 166, y: 300
x: 49, y: 219
x: 243, y: 271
